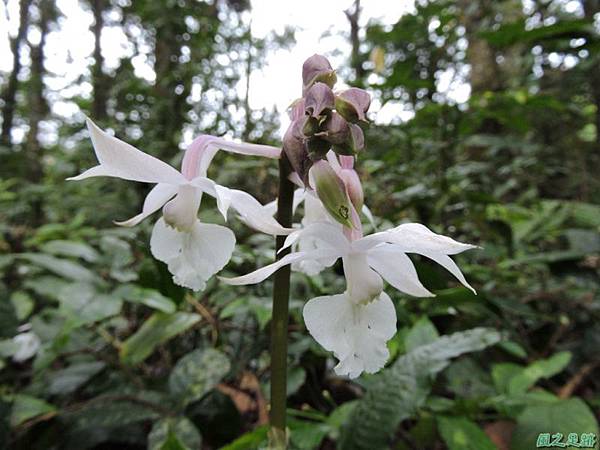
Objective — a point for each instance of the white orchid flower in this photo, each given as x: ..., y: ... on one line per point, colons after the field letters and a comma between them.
x: 26, y: 345
x: 356, y: 325
x: 193, y: 251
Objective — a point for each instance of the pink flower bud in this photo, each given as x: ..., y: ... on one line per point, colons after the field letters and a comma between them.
x: 332, y: 192
x: 295, y: 148
x: 319, y: 99
x: 352, y: 104
x: 317, y: 68
x: 353, y: 187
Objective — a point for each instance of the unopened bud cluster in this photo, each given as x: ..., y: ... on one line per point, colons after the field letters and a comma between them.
x: 324, y: 120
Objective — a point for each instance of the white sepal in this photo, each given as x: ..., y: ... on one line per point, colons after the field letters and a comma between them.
x: 121, y: 160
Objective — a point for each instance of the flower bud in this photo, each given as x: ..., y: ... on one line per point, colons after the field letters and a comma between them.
x: 354, y: 142
x: 295, y: 148
x: 353, y: 187
x: 317, y: 68
x: 352, y: 104
x: 336, y: 129
x: 319, y: 100
x: 331, y: 191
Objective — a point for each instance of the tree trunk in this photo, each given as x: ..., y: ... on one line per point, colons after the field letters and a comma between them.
x: 485, y: 73
x: 99, y: 80
x: 356, y: 59
x: 10, y: 93
x: 38, y: 106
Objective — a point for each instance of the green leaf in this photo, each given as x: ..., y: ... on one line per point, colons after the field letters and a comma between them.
x: 174, y: 433
x: 396, y: 393
x: 71, y: 248
x: 564, y: 416
x: 460, y: 433
x: 67, y: 380
x: 197, y: 373
x: 514, y: 379
x: 26, y: 407
x: 252, y: 440
x: 423, y: 332
x: 113, y: 412
x: 62, y: 267
x: 159, y: 328
x: 84, y: 305
x: 149, y: 297
x: 23, y: 304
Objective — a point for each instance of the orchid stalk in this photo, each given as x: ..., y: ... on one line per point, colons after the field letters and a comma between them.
x: 320, y: 150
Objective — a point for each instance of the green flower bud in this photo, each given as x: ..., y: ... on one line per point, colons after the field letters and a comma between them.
x: 332, y: 192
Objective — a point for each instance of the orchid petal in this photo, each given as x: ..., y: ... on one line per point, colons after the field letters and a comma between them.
x: 121, y: 160
x: 244, y: 148
x: 327, y: 234
x: 264, y: 272
x: 299, y: 194
x: 356, y: 334
x: 254, y: 214
x: 447, y: 263
x: 156, y: 198
x: 364, y: 284
x: 397, y: 269
x: 195, y: 256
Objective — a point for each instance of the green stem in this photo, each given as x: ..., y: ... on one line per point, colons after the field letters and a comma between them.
x: 279, y: 322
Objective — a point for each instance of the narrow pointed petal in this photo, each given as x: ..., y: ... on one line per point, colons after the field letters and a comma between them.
x: 252, y: 212
x: 121, y: 160
x: 264, y: 272
x: 447, y: 263
x: 414, y: 237
x: 195, y: 256
x: 328, y: 234
x: 397, y: 269
x: 356, y: 334
x: 244, y: 148
x: 156, y: 198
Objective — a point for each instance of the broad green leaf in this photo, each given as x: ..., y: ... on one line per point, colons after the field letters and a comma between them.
x: 149, y: 297
x: 252, y: 440
x: 159, y: 328
x: 399, y: 391
x: 71, y: 248
x: 22, y: 303
x: 65, y: 381
x: 460, y: 433
x: 544, y: 368
x: 26, y: 407
x: 564, y: 416
x: 423, y: 332
x: 114, y: 411
x: 174, y: 433
x: 197, y: 373
x: 514, y: 379
x: 83, y: 304
x: 63, y: 267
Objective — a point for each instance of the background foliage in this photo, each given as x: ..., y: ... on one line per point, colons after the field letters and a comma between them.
x: 128, y: 360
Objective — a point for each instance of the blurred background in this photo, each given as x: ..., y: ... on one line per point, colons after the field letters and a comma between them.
x: 484, y: 126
